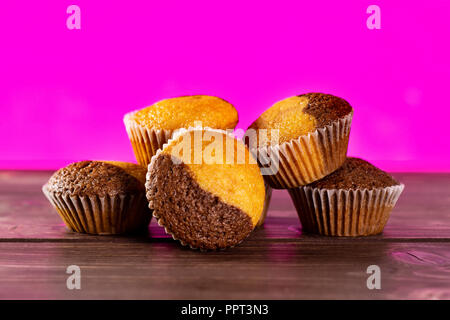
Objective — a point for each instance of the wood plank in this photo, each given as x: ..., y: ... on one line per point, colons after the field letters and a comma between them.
x: 275, y: 262
x: 422, y: 212
x: 254, y: 270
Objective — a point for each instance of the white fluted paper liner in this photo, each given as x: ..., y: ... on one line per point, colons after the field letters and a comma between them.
x: 156, y: 214
x: 308, y: 158
x: 338, y: 212
x: 101, y: 215
x: 145, y: 141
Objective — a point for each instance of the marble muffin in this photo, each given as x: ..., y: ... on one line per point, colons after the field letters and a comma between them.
x: 205, y: 197
x: 305, y: 135
x: 100, y: 197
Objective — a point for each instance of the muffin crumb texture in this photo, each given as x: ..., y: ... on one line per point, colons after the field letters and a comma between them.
x: 97, y: 178
x: 356, y: 173
x: 190, y: 213
x: 221, y: 171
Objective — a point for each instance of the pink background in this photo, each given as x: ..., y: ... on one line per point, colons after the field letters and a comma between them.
x: 63, y: 92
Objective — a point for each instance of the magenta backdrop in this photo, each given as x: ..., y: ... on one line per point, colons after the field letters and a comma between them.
x: 63, y: 92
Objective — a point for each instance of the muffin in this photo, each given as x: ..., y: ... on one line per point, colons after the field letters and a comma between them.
x: 205, y: 189
x: 149, y: 128
x: 301, y: 139
x: 100, y: 197
x: 355, y: 200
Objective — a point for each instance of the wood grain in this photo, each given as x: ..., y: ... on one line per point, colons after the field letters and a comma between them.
x: 277, y: 261
x: 254, y: 270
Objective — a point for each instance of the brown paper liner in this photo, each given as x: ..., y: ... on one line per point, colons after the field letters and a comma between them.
x: 350, y: 213
x: 308, y: 158
x: 266, y: 205
x: 145, y: 141
x: 102, y: 215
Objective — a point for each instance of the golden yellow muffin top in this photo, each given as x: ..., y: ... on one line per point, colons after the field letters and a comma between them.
x: 183, y: 112
x: 300, y: 115
x: 223, y: 166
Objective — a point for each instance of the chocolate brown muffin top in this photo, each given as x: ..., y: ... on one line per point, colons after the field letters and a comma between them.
x: 100, y: 178
x: 326, y: 108
x: 356, y: 174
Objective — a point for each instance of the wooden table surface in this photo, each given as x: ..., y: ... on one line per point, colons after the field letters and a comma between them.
x: 275, y: 262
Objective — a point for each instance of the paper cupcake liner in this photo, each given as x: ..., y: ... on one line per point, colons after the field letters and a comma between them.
x: 145, y: 141
x: 157, y: 216
x: 101, y: 215
x: 338, y: 212
x: 308, y: 158
x: 266, y: 205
